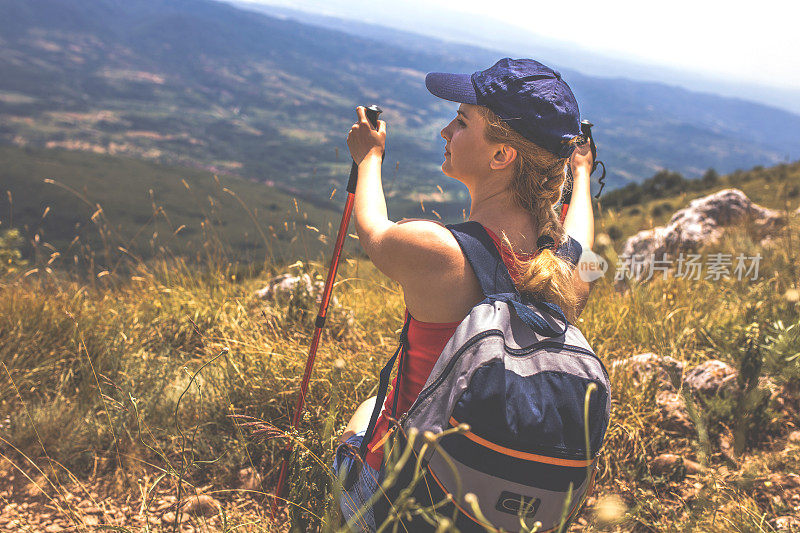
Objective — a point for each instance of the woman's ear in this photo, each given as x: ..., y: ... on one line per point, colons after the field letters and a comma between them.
x: 503, y: 157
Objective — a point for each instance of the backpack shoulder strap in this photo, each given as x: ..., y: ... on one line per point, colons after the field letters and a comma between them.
x: 495, y: 280
x: 483, y: 257
x: 570, y: 251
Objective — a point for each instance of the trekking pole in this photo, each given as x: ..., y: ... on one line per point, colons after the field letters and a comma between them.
x: 566, y: 195
x: 372, y: 113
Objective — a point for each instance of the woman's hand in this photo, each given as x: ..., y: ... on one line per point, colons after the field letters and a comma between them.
x: 581, y: 159
x: 363, y: 140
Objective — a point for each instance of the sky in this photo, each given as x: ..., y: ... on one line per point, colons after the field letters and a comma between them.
x: 754, y: 41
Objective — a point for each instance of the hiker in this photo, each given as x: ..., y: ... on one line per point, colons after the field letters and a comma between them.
x: 514, y: 169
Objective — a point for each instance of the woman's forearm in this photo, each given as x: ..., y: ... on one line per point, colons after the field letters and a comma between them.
x: 579, y: 222
x: 369, y: 208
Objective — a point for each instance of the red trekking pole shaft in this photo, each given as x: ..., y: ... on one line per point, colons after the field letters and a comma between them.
x: 564, y: 208
x: 372, y: 113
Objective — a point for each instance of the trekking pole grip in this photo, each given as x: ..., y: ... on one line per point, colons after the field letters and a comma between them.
x: 372, y: 113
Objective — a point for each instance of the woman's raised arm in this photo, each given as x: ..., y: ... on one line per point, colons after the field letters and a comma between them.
x: 406, y: 252
x: 579, y: 222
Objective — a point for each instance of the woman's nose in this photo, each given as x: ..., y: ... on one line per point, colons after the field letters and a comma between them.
x: 444, y: 133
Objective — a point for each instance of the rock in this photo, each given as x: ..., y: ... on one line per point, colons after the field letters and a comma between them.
x: 248, y: 479
x: 692, y: 467
x: 667, y: 463
x: 34, y: 488
x: 711, y: 377
x: 163, y: 505
x: 674, y: 466
x: 701, y: 223
x: 786, y: 523
x: 53, y: 528
x: 665, y: 370
x: 785, y: 481
x: 201, y: 505
x: 794, y: 437
x: 285, y: 284
x: 725, y: 442
x: 91, y: 521
x: 674, y: 416
x: 169, y: 517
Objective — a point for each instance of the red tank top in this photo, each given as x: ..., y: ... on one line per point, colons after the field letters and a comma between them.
x: 426, y: 340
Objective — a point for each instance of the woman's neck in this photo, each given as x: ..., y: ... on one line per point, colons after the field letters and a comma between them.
x: 495, y: 210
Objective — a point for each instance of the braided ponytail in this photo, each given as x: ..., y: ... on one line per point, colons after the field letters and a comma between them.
x: 536, y: 187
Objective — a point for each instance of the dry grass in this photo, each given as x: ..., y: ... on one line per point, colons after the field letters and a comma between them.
x: 132, y: 378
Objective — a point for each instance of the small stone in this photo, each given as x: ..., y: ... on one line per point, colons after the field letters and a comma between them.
x: 692, y: 467
x: 674, y: 417
x: 169, y: 517
x: 35, y: 489
x: 711, y: 377
x: 668, y: 464
x: 666, y: 371
x: 784, y: 481
x: 91, y: 521
x: 90, y: 509
x: 201, y: 505
x: 786, y: 523
x: 163, y: 505
x: 53, y: 528
x: 725, y: 441
x: 248, y: 479
x: 794, y: 437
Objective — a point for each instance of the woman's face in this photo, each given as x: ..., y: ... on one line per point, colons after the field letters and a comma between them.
x: 467, y: 152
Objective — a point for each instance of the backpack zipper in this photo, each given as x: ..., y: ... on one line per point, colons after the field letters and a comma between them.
x: 527, y: 351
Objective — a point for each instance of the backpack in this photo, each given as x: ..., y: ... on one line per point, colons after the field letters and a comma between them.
x: 517, y: 372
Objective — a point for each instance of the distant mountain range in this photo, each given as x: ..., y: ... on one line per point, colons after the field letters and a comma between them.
x: 367, y: 18
x: 202, y: 83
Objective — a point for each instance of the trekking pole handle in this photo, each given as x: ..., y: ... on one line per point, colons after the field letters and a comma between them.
x: 586, y: 131
x: 566, y: 193
x: 372, y: 113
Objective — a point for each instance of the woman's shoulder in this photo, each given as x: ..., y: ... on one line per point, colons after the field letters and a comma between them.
x: 443, y: 289
x: 407, y: 220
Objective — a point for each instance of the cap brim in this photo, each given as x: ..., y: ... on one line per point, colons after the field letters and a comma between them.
x: 453, y: 87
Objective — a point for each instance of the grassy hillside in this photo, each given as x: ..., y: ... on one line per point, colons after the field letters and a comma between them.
x: 635, y: 207
x: 123, y: 387
x: 109, y: 202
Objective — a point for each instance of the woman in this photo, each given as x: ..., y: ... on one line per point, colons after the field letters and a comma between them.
x: 514, y: 169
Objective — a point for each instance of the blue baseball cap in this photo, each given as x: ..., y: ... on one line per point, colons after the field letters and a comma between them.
x: 529, y: 96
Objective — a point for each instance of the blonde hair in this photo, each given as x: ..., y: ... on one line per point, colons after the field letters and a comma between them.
x: 536, y: 187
